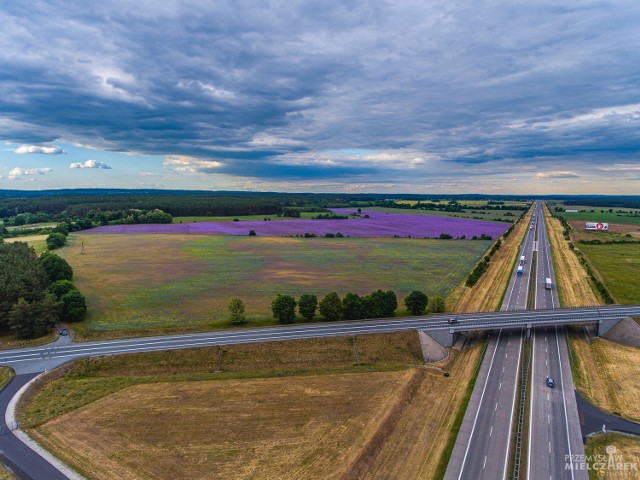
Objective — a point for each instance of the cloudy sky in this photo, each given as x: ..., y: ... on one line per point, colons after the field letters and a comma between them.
x: 355, y: 96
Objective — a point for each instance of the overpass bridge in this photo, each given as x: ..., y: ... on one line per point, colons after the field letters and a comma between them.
x: 439, y: 327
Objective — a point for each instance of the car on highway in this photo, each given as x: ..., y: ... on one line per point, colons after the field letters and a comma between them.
x: 550, y: 382
x: 453, y: 320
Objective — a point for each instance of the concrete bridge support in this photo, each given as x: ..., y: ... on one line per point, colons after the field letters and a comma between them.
x: 607, y: 324
x: 432, y: 351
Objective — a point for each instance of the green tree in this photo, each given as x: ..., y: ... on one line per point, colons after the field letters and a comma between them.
x: 416, y: 302
x: 73, y: 306
x: 331, y: 307
x: 236, y: 312
x: 436, y: 304
x: 284, y: 308
x: 55, y: 240
x: 60, y: 287
x: 33, y: 319
x: 382, y: 304
x: 307, y: 306
x: 21, y: 276
x: 56, y: 267
x: 353, y: 307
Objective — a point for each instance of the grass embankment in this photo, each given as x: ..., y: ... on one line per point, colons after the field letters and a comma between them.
x: 6, y: 374
x: 298, y: 409
x: 627, y: 451
x: 487, y: 294
x: 169, y: 283
x: 10, y: 341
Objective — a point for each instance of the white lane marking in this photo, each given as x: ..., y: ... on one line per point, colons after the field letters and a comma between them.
x: 485, y: 462
x: 503, y: 369
x: 564, y: 401
x: 547, y: 395
x: 548, y: 418
x: 496, y: 407
x: 549, y: 447
x: 491, y: 431
x: 506, y: 355
x: 500, y: 386
x: 546, y: 362
x: 513, y: 409
x: 475, y: 420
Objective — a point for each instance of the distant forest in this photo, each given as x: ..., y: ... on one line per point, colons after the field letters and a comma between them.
x: 78, y: 203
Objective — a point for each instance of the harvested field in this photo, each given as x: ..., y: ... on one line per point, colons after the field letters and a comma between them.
x: 627, y: 451
x: 320, y: 417
x: 273, y: 428
x: 579, y: 226
x: 628, y: 217
x: 607, y: 374
x: 487, y: 294
x: 181, y: 282
x: 574, y: 286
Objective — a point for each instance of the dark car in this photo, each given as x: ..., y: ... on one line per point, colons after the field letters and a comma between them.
x: 550, y: 382
x: 64, y: 332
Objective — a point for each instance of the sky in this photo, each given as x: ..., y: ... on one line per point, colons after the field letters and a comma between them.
x: 444, y: 96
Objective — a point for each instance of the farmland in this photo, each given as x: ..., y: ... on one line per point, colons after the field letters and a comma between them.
x: 298, y: 409
x: 618, y: 265
x: 592, y: 214
x: 372, y: 224
x: 483, y: 215
x: 178, y: 282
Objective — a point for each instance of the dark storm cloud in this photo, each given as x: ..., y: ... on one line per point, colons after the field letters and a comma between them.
x: 260, y: 86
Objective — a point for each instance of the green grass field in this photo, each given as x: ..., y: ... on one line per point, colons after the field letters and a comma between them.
x: 488, y: 215
x: 135, y: 282
x: 619, y: 266
x: 625, y: 217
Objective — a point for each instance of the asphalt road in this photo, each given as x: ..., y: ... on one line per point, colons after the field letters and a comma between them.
x: 482, y: 449
x: 23, y: 461
x: 554, y: 427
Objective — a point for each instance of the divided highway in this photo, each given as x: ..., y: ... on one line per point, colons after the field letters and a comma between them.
x: 554, y: 427
x: 482, y: 449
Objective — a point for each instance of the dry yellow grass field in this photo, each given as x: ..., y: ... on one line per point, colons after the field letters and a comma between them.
x: 271, y: 428
x: 147, y: 421
x: 627, y: 451
x: 486, y: 295
x: 609, y: 374
x: 414, y: 448
x: 574, y: 287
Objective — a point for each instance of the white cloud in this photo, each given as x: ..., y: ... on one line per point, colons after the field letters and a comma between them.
x: 543, y: 175
x: 183, y: 163
x: 51, y: 150
x: 90, y: 164
x: 17, y: 172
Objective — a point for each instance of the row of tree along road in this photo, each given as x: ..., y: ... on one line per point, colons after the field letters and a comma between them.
x: 379, y: 304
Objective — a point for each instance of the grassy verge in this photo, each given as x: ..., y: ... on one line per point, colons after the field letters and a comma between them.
x: 10, y: 341
x: 457, y: 422
x: 6, y: 374
x: 624, y: 463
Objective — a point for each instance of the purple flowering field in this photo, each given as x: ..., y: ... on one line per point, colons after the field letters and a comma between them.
x: 380, y: 224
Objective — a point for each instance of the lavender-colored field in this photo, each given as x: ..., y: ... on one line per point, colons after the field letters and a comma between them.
x: 379, y: 224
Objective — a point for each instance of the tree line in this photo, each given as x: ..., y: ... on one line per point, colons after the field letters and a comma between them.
x: 36, y: 292
x: 379, y: 304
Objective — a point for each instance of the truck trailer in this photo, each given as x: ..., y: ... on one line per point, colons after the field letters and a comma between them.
x: 519, y: 271
x: 547, y: 283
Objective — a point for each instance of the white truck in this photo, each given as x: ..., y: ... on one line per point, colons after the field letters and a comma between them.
x: 522, y: 260
x: 519, y: 272
x: 547, y: 283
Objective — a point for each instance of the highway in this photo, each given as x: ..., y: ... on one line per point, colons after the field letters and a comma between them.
x: 482, y: 449
x: 554, y: 427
